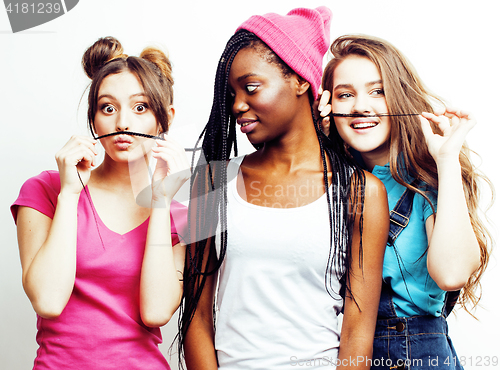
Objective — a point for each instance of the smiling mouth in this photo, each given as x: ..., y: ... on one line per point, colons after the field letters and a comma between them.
x: 247, y: 123
x: 362, y: 125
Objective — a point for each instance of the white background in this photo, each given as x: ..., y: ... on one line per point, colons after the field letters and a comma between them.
x: 453, y: 44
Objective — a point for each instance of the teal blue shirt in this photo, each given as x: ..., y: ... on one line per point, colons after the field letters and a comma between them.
x: 417, y: 293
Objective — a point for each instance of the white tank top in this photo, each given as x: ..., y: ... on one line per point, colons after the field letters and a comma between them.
x: 274, y: 309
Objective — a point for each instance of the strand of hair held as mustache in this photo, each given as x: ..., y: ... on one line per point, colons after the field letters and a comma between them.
x: 132, y: 133
x: 361, y: 115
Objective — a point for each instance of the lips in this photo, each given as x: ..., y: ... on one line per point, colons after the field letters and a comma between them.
x: 247, y: 125
x: 363, y: 123
x: 123, y: 142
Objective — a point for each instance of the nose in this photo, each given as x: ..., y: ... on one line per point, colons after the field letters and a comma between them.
x: 239, y: 105
x: 122, y: 121
x: 361, y: 104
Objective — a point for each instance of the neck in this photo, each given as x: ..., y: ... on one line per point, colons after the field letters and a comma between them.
x: 299, y: 148
x: 375, y: 159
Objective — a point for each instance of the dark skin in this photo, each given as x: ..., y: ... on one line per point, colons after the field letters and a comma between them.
x: 275, y: 111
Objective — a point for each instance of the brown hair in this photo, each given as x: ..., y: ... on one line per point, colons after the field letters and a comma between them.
x: 152, y: 68
x: 408, y: 153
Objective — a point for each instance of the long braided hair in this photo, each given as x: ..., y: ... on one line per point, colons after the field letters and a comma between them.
x: 208, y: 206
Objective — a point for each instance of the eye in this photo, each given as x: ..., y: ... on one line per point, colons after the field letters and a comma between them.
x: 108, y: 109
x: 344, y: 95
x: 251, y: 88
x: 378, y: 92
x: 141, y: 108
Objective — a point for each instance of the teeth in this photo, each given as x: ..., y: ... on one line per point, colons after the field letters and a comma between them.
x: 364, y: 125
x: 245, y: 124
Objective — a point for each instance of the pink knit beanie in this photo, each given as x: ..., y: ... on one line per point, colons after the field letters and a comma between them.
x: 301, y: 38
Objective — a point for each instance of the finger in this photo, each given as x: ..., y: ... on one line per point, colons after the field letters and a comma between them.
x: 457, y: 112
x: 426, y: 127
x: 173, y: 145
x: 326, y: 110
x: 439, y: 111
x: 171, y: 155
x: 325, y: 124
x: 324, y: 100
x: 442, y: 122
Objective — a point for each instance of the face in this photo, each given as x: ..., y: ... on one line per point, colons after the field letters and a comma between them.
x: 358, y: 88
x: 123, y: 106
x: 263, y: 99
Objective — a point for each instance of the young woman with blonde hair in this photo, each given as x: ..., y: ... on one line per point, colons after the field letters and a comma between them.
x: 383, y: 116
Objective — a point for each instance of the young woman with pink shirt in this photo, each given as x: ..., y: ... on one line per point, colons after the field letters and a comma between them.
x: 99, y: 266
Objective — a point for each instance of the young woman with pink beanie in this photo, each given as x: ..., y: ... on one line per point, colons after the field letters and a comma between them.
x: 273, y: 253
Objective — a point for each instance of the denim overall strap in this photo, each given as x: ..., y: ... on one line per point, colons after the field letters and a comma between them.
x: 399, y: 218
x: 400, y: 215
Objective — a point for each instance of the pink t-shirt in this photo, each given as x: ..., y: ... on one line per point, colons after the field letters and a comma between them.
x: 100, y: 327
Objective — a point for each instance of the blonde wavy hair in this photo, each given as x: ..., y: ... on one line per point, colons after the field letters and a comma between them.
x: 406, y: 93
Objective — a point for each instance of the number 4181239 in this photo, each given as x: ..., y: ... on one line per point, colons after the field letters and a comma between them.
x: 472, y: 360
x: 38, y: 8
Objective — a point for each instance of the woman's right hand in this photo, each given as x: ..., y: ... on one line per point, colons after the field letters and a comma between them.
x: 77, y: 156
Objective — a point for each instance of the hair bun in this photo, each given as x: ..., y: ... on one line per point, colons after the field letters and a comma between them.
x: 159, y: 59
x: 103, y: 50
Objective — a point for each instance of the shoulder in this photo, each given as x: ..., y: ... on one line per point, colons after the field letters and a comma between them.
x: 39, y: 192
x: 373, y: 183
x: 369, y: 185
x: 45, y: 180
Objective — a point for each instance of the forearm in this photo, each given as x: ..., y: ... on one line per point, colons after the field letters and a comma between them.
x: 453, y: 253
x: 365, y: 279
x: 50, y: 277
x: 160, y: 289
x: 355, y: 350
x: 199, y: 347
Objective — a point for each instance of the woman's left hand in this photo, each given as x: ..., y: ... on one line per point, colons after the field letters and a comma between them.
x: 454, y: 126
x: 324, y: 109
x: 172, y: 168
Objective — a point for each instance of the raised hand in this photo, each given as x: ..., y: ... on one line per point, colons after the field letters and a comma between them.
x: 454, y: 126
x: 77, y: 156
x: 172, y: 168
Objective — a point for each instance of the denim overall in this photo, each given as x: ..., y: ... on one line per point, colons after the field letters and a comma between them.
x: 416, y: 342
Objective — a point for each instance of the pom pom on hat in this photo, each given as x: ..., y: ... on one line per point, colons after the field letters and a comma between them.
x: 301, y: 38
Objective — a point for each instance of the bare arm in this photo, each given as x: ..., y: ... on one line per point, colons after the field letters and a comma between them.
x: 48, y: 247
x: 199, y: 345
x: 361, y: 307
x: 161, y: 274
x: 454, y: 252
x: 199, y: 335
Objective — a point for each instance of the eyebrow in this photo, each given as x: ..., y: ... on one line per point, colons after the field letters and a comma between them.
x: 112, y: 97
x: 347, y: 86
x: 246, y: 76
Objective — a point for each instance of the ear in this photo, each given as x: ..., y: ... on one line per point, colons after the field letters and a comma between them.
x: 171, y: 114
x: 92, y: 127
x: 302, y: 86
